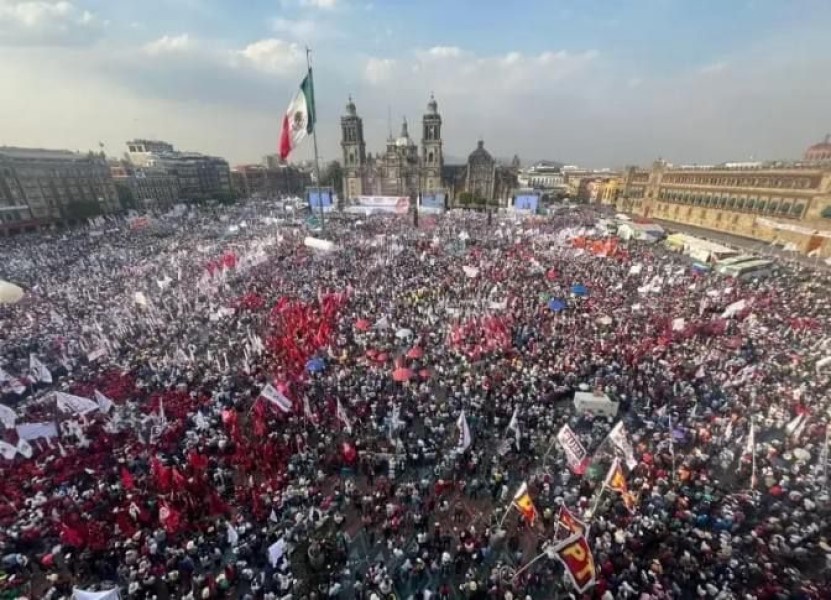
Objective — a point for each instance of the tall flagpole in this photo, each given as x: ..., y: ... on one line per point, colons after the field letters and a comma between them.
x: 314, y: 135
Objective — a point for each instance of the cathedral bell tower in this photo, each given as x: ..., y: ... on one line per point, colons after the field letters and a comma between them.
x: 354, y: 152
x: 432, y: 159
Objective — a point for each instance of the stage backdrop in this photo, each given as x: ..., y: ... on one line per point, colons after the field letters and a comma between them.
x: 380, y: 204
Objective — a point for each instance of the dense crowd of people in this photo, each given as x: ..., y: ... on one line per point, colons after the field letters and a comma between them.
x: 206, y: 407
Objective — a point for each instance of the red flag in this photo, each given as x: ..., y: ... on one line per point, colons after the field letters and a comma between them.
x: 197, y: 461
x: 127, y: 479
x: 161, y: 474
x: 169, y: 517
x: 179, y: 481
x: 71, y: 536
x: 577, y: 558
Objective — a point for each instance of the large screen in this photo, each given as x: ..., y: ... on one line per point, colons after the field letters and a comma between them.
x: 530, y: 202
x: 319, y: 197
x: 432, y: 202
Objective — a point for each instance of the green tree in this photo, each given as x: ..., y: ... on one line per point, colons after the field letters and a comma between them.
x: 126, y: 197
x: 226, y: 198
x: 332, y: 176
x: 465, y: 198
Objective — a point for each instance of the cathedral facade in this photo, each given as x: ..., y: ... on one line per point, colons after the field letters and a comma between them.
x: 401, y: 170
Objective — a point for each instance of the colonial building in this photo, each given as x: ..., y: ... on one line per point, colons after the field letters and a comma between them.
x: 41, y: 187
x: 263, y: 181
x: 484, y: 178
x: 400, y: 170
x: 144, y: 188
x: 784, y: 203
x: 199, y: 177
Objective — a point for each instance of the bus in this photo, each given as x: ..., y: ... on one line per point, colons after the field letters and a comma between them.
x: 734, y: 260
x: 746, y: 271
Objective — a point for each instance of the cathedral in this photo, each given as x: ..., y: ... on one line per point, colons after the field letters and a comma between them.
x: 401, y: 170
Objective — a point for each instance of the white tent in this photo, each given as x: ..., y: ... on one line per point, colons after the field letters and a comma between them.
x: 597, y: 404
x: 10, y: 293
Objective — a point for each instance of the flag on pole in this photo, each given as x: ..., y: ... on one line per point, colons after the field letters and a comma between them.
x: 273, y: 395
x: 343, y: 418
x: 104, y: 403
x: 233, y: 535
x: 576, y: 454
x: 307, y: 409
x: 7, y: 416
x: 39, y: 370
x: 620, y: 439
x: 576, y: 556
x: 299, y: 120
x: 616, y: 481
x: 566, y: 519
x: 464, y: 433
x: 523, y: 503
x: 513, y: 425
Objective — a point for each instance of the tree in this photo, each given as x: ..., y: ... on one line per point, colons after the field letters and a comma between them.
x: 465, y: 198
x: 126, y: 197
x: 332, y: 176
x: 226, y: 198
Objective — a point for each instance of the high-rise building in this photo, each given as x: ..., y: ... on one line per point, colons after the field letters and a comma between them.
x: 42, y: 187
x: 263, y: 181
x: 399, y: 170
x: 142, y: 153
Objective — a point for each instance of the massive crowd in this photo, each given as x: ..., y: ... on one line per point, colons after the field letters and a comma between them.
x: 206, y: 407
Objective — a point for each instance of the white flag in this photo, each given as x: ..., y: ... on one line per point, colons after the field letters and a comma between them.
x: 24, y: 448
x: 112, y: 594
x: 276, y: 551
x: 7, y: 416
x: 12, y: 382
x: 750, y: 446
x: 104, y: 403
x: 233, y: 536
x: 464, y: 433
x: 513, y: 425
x: 39, y: 370
x: 341, y: 415
x: 7, y: 451
x: 307, y: 409
x: 620, y: 439
x: 273, y: 395
x: 33, y: 431
x: 76, y: 404
x: 200, y: 421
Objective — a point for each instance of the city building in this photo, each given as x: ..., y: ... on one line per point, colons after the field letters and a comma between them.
x: 586, y: 185
x: 399, y: 170
x: 43, y: 187
x: 609, y: 190
x: 144, y: 188
x: 142, y: 153
x: 199, y: 177
x: 819, y: 152
x: 267, y: 181
x: 782, y: 203
x: 544, y: 177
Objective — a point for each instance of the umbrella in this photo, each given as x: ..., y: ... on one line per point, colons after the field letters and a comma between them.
x: 556, y: 305
x: 371, y: 353
x: 315, y: 365
x: 404, y: 333
x: 578, y: 289
x: 10, y: 293
x: 362, y: 325
x: 402, y: 374
x: 424, y: 373
x: 801, y: 454
x: 381, y: 357
x: 415, y: 352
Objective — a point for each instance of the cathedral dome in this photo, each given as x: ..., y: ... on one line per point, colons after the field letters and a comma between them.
x: 404, y: 139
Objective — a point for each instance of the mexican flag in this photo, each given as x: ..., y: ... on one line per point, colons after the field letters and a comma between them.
x: 299, y: 120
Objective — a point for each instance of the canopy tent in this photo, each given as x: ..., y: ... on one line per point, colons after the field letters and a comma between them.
x: 578, y: 289
x: 315, y: 365
x: 556, y: 305
x: 10, y: 293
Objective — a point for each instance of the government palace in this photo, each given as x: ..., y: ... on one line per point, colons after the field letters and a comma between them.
x: 785, y: 203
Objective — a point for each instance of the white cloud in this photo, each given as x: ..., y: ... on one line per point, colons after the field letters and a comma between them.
x: 271, y: 55
x: 301, y: 29
x: 324, y: 4
x: 444, y: 52
x: 45, y: 22
x: 169, y: 44
x: 711, y: 69
x: 379, y: 70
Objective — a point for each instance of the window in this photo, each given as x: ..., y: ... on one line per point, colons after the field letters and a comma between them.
x: 797, y: 209
x: 773, y: 206
x: 722, y: 201
x: 762, y: 205
x: 751, y: 204
x: 785, y: 208
x: 826, y: 212
x: 731, y: 203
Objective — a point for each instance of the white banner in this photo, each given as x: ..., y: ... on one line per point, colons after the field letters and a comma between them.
x: 87, y: 595
x: 273, y: 395
x: 75, y: 404
x: 576, y: 454
x: 33, y: 431
x: 7, y: 416
x: 621, y: 441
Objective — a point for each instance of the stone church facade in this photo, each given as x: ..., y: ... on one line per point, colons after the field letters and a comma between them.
x: 401, y: 170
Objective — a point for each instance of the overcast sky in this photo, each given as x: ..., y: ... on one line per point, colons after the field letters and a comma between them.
x: 589, y: 82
